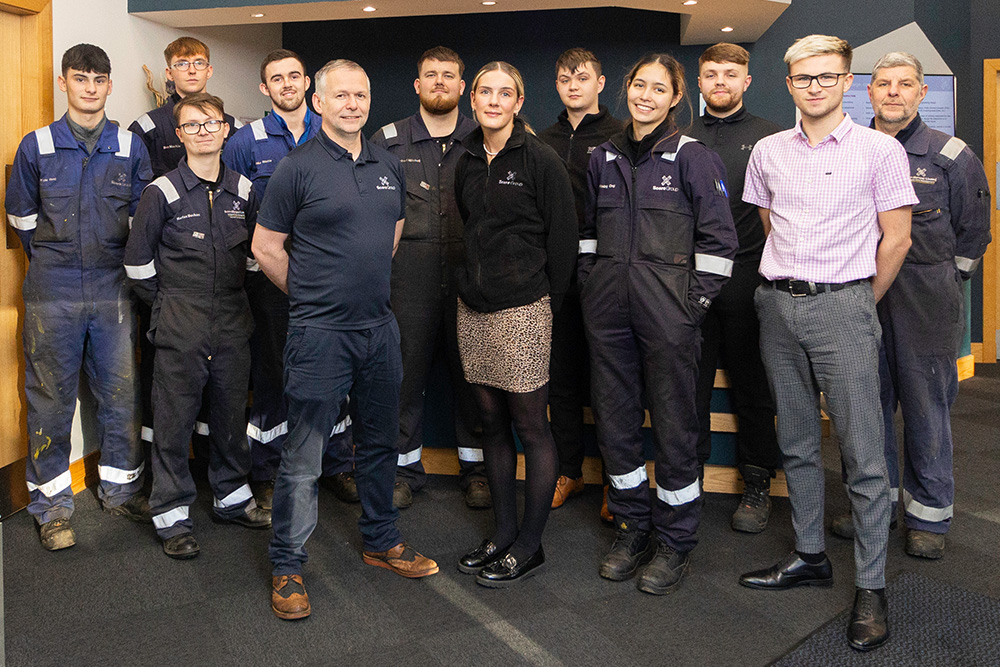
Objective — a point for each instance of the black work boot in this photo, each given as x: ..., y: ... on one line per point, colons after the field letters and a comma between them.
x: 632, y: 547
x: 755, y: 505
x: 665, y: 572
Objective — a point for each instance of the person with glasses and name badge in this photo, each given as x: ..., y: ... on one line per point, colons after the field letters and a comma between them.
x: 834, y: 198
x: 186, y: 258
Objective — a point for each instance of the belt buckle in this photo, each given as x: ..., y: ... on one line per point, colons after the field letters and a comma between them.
x: 792, y: 288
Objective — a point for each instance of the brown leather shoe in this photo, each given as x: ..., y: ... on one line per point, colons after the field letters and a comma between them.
x: 566, y: 487
x: 606, y: 516
x: 403, y: 560
x: 289, y: 599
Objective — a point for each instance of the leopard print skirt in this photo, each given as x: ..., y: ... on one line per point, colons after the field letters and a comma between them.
x: 507, y: 349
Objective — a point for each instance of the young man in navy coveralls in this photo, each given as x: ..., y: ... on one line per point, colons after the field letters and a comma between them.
x: 254, y: 151
x: 73, y: 189
x: 341, y: 201
x: 424, y: 297
x: 186, y: 258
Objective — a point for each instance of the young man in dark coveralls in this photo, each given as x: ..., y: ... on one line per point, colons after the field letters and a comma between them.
x: 186, y: 257
x: 731, y: 329
x: 190, y: 68
x: 423, y: 295
x: 339, y: 201
x: 73, y: 189
x: 254, y: 151
x: 581, y: 127
x: 922, y: 313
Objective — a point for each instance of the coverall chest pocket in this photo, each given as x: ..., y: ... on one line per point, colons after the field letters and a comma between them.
x: 61, y: 206
x: 664, y: 231
x: 611, y: 226
x: 116, y: 198
x: 419, y: 208
x: 188, y: 231
x: 932, y: 237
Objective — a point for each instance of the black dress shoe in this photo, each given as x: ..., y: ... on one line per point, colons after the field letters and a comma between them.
x: 480, y: 557
x: 869, y: 625
x: 507, y: 571
x: 181, y: 547
x: 790, y: 572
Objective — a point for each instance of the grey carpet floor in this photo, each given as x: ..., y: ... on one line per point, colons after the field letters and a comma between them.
x: 116, y: 599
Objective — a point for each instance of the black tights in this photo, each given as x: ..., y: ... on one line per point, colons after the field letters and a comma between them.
x: 498, y: 408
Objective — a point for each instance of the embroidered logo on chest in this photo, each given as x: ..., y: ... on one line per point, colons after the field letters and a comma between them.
x: 665, y: 185
x: 384, y: 184
x: 120, y: 180
x: 236, y: 211
x: 922, y: 177
x: 510, y: 180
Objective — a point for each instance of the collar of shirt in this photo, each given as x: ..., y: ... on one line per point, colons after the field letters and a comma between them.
x: 279, y: 127
x: 337, y: 151
x: 62, y: 136
x: 473, y: 142
x: 229, y: 179
x: 563, y: 119
x: 837, y: 135
x: 914, y: 141
x: 418, y: 130
x: 709, y: 119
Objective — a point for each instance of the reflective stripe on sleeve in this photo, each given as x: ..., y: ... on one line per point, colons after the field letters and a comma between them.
x: 925, y: 513
x: 610, y: 157
x: 54, y: 486
x: 259, y: 133
x: 252, y: 264
x: 167, y: 188
x: 340, y: 427
x: 168, y: 519
x: 470, y: 454
x: 146, y: 123
x: 629, y: 480
x: 237, y: 123
x: 963, y: 263
x: 670, y: 157
x: 124, y: 143
x: 720, y: 266
x: 409, y: 457
x: 264, y: 437
x: 953, y: 148
x: 43, y: 136
x: 588, y: 246
x: 389, y: 131
x: 141, y: 272
x: 146, y: 434
x: 117, y: 475
x: 24, y: 223
x: 244, y: 187
x: 680, y: 497
x: 201, y: 428
x: 237, y: 497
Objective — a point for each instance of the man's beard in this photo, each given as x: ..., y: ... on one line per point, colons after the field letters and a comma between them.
x: 438, y: 104
x: 289, y: 104
x: 722, y: 106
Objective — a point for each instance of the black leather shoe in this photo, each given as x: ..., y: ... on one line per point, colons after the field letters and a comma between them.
x: 507, y: 571
x: 665, y: 572
x: 480, y: 557
x: 632, y: 547
x: 181, y: 547
x: 402, y: 495
x: 790, y: 572
x: 869, y: 625
x: 253, y: 516
x: 343, y: 486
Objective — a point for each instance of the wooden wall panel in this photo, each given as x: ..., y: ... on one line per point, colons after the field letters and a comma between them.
x: 991, y: 155
x: 25, y: 104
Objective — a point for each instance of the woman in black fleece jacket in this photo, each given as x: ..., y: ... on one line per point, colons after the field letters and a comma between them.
x: 515, y: 198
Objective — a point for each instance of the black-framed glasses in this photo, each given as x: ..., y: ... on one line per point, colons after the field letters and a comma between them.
x: 825, y: 80
x: 212, y: 126
x: 184, y: 65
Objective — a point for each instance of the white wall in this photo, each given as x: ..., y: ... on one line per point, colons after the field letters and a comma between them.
x: 132, y: 42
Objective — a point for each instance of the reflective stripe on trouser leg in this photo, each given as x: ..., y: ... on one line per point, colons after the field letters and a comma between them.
x: 173, y: 522
x: 237, y: 498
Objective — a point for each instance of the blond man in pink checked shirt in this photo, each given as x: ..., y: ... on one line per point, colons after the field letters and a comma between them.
x: 834, y: 198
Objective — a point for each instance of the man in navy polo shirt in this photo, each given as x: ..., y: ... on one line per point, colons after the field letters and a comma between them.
x: 342, y: 200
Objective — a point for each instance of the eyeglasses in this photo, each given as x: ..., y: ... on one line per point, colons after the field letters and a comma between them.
x: 184, y: 65
x: 825, y: 80
x: 212, y: 126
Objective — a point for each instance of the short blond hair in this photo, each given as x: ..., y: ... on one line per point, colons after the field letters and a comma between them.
x: 819, y: 45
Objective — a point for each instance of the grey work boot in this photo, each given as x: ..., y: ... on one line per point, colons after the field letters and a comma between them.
x: 755, y: 505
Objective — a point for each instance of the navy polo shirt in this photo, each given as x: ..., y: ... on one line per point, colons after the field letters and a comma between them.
x: 341, y: 215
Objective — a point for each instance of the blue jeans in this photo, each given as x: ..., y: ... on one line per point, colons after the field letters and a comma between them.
x: 321, y: 368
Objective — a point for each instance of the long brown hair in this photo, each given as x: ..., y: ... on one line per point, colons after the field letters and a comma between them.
x: 676, y: 73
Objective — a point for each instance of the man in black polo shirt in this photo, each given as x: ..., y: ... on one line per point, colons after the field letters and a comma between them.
x: 731, y: 329
x: 582, y: 126
x: 342, y: 201
x: 424, y: 297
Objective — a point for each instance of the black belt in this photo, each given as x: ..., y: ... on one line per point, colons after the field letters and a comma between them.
x: 808, y: 288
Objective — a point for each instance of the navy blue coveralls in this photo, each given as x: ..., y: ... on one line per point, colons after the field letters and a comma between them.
x: 186, y: 257
x: 254, y: 151
x: 424, y: 294
x: 922, y: 317
x: 656, y: 248
x: 72, y: 212
x: 157, y: 130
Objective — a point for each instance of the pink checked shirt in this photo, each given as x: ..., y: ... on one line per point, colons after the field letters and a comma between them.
x: 824, y: 200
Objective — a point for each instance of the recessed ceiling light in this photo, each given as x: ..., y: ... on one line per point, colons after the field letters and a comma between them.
x: 369, y: 8
x: 727, y: 29
x: 690, y: 2
x: 489, y: 3
x: 257, y: 16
